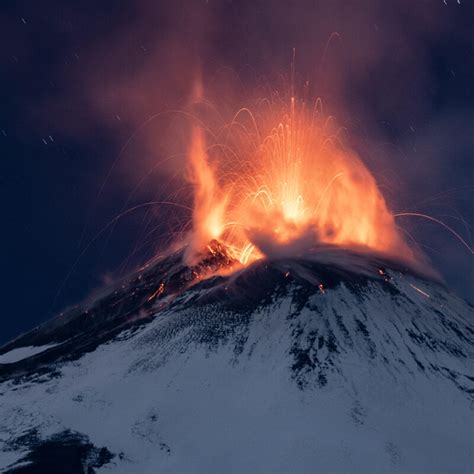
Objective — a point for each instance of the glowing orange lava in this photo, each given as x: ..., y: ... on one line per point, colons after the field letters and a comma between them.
x: 279, y: 182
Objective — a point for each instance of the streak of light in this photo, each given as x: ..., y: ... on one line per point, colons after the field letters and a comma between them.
x: 441, y: 223
x: 420, y: 291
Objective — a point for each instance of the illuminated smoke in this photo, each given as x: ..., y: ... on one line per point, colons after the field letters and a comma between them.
x: 209, y: 201
x: 282, y: 184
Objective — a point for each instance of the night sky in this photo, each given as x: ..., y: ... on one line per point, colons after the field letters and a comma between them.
x: 78, y: 78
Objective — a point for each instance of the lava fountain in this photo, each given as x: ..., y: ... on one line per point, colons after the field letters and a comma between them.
x: 278, y: 181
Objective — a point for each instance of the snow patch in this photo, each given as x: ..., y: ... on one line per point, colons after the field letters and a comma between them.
x: 20, y: 353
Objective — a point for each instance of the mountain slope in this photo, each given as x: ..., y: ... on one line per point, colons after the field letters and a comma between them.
x: 287, y: 366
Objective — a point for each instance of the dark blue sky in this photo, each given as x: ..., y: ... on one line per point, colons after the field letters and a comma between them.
x: 77, y: 78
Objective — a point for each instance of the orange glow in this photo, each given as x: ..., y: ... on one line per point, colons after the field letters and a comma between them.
x: 158, y: 292
x: 209, y: 201
x: 283, y: 184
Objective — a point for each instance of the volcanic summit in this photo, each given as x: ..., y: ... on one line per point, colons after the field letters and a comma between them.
x: 329, y: 362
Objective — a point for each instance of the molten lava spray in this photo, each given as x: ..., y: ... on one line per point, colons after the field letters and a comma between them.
x: 209, y: 201
x: 283, y: 184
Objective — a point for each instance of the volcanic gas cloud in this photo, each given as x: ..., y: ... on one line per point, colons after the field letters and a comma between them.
x: 278, y: 181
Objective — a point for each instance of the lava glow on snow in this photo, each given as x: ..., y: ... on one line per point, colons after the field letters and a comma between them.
x: 278, y: 181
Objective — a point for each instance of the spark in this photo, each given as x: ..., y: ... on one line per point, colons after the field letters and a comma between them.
x: 159, y: 291
x: 420, y: 290
x: 437, y: 221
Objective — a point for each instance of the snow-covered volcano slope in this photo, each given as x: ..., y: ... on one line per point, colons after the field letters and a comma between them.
x: 264, y: 371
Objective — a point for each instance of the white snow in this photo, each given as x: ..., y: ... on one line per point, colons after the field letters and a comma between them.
x: 21, y: 353
x: 162, y: 401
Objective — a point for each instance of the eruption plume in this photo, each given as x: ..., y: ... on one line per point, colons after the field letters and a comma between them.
x: 282, y: 183
x: 209, y: 200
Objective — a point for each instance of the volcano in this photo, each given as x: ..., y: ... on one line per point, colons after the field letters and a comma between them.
x: 336, y: 361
